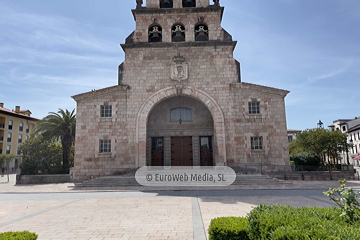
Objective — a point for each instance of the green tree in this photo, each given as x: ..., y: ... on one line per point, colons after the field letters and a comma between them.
x: 59, y: 126
x: 41, y: 155
x: 5, y: 160
x: 321, y: 142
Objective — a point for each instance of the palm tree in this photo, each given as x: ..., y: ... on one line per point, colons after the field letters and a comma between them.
x: 59, y: 126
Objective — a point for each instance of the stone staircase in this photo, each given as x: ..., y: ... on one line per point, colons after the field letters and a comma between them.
x: 128, y: 180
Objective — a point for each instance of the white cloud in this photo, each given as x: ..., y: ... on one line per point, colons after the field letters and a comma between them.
x: 334, y: 72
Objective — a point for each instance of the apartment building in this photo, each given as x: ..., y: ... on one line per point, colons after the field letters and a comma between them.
x: 352, y: 128
x: 15, y: 128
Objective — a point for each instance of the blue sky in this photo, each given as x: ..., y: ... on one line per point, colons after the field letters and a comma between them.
x: 51, y: 50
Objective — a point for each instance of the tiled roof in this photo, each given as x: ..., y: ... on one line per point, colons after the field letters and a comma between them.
x: 20, y: 114
x: 354, y: 128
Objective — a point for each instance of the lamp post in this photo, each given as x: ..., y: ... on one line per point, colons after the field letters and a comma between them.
x: 320, y: 124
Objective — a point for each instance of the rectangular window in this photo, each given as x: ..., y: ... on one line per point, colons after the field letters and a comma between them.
x: 21, y: 126
x: 9, y: 137
x: 157, y: 143
x: 105, y: 146
x: 18, y: 151
x: 205, y: 143
x: 106, y: 111
x: 8, y: 147
x: 254, y: 107
x: 290, y: 138
x: 10, y: 124
x: 180, y: 115
x: 20, y: 138
x: 27, y: 128
x: 256, y: 143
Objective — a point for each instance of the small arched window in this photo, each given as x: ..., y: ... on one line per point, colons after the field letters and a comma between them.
x: 189, y: 3
x: 166, y: 3
x: 201, y: 32
x: 180, y: 115
x: 155, y: 33
x: 178, y: 33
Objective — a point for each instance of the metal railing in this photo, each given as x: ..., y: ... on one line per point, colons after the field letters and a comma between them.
x: 328, y: 172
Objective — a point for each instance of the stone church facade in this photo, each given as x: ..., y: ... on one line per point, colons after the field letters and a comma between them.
x: 180, y: 100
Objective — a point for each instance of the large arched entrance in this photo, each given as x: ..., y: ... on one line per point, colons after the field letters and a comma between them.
x: 171, y: 99
x: 180, y: 132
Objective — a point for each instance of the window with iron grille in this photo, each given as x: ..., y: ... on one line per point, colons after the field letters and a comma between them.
x: 105, y: 146
x: 106, y: 111
x: 256, y: 143
x: 254, y: 107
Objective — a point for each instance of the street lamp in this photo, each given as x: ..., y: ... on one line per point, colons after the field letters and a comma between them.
x: 320, y: 124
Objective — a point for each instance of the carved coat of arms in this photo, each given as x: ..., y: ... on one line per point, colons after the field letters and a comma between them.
x: 179, y: 69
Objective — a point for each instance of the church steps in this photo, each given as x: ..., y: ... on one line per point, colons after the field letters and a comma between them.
x: 123, y: 181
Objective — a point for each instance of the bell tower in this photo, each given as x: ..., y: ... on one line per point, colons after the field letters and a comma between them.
x: 180, y: 26
x: 178, y: 21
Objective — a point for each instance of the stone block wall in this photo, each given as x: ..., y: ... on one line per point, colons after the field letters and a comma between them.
x: 212, y: 18
x: 176, y: 3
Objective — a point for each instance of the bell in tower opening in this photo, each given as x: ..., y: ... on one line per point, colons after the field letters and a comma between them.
x: 178, y: 33
x: 201, y: 33
x: 155, y: 34
x: 189, y: 3
x: 166, y: 3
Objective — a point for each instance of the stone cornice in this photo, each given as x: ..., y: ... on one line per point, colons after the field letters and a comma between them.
x: 101, y: 92
x: 176, y: 10
x: 259, y: 88
x: 178, y: 44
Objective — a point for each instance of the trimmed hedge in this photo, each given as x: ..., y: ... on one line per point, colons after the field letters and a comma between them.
x: 25, y: 235
x: 276, y: 222
x: 229, y: 228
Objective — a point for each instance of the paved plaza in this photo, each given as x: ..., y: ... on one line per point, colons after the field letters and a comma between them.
x: 55, y: 211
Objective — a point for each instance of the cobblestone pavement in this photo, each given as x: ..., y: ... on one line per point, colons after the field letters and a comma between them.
x: 65, y: 214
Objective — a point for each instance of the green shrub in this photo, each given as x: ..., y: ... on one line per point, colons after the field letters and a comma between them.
x: 305, y: 159
x: 347, y: 200
x: 18, y: 236
x: 275, y: 222
x: 229, y: 228
x: 29, y: 167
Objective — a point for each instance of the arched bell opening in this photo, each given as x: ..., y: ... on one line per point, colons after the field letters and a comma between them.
x: 178, y: 33
x: 166, y: 3
x: 201, y: 32
x: 155, y: 33
x: 189, y: 3
x: 180, y: 132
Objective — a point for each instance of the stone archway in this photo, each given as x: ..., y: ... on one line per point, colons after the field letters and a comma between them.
x: 205, y: 98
